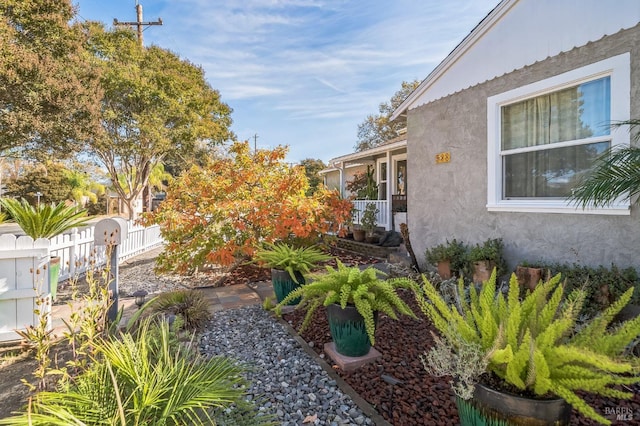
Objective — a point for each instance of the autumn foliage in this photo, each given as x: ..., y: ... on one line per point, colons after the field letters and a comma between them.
x: 217, y: 213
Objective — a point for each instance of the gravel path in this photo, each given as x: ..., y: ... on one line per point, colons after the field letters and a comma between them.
x: 284, y: 378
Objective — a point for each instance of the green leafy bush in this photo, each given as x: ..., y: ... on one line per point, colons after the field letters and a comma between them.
x: 290, y: 259
x: 350, y: 285
x: 602, y: 285
x: 191, y: 306
x: 454, y: 251
x: 532, y: 343
x: 491, y: 250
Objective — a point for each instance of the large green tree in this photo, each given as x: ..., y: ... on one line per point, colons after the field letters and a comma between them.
x: 378, y: 128
x: 49, y: 179
x: 48, y: 91
x: 312, y: 168
x: 155, y: 105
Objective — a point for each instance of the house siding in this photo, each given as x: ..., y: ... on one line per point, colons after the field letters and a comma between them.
x: 448, y: 200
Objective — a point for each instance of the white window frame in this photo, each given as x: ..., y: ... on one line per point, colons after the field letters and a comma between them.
x: 616, y: 67
x: 397, y: 158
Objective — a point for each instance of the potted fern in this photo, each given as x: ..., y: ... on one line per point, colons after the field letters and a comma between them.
x: 536, y: 360
x: 485, y: 257
x: 449, y: 258
x: 289, y: 265
x: 353, y: 298
x: 45, y: 221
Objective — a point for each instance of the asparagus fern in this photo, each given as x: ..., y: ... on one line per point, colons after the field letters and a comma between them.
x: 532, y: 343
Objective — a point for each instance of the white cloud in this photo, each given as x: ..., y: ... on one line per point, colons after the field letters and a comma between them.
x: 307, y: 72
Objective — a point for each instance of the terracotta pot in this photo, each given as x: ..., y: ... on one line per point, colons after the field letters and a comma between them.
x: 489, y: 406
x: 283, y: 284
x: 528, y: 277
x: 348, y: 331
x: 482, y: 270
x: 444, y: 269
x: 359, y: 235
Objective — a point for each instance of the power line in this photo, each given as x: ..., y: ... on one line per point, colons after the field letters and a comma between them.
x: 139, y: 23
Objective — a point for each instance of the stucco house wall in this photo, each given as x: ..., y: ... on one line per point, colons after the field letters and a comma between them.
x: 449, y: 200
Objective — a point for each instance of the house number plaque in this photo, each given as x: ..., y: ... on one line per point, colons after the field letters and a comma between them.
x: 443, y: 157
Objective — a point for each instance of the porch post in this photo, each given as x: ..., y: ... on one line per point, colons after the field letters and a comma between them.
x: 342, y: 181
x: 390, y: 184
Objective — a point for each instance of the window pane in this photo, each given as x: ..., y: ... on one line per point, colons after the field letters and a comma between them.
x: 548, y: 173
x: 383, y: 172
x: 575, y: 113
x: 382, y: 191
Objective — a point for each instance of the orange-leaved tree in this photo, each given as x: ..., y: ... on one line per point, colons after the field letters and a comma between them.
x: 217, y: 213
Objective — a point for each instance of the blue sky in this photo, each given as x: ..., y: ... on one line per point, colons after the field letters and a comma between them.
x: 303, y: 73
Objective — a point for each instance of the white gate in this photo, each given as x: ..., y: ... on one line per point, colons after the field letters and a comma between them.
x: 24, y: 277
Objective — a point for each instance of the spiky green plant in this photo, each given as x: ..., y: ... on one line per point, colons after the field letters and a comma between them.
x: 290, y: 259
x: 615, y: 175
x: 44, y: 221
x: 144, y: 380
x: 190, y: 305
x: 532, y: 343
x: 350, y: 285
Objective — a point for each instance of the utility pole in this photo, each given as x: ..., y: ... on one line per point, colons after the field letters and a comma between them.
x: 139, y: 23
x: 255, y: 144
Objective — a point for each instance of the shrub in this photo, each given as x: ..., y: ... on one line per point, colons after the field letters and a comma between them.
x: 147, y: 380
x: 454, y: 251
x: 288, y: 258
x: 191, y: 306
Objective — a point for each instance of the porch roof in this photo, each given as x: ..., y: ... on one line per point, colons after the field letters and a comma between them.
x: 369, y: 154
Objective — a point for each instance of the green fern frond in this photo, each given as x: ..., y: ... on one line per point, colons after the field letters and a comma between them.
x: 578, y: 403
x: 598, y: 325
x: 553, y: 333
x: 364, y: 308
x: 616, y: 341
x: 513, y: 322
x: 572, y: 355
x: 386, y: 308
x: 516, y: 368
x: 542, y: 382
x: 550, y: 309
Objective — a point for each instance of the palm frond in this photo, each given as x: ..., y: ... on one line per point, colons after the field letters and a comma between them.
x: 615, y: 176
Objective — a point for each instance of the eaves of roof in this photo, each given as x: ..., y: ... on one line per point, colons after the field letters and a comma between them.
x: 467, y: 43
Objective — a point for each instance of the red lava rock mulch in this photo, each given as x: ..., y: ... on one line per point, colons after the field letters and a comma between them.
x: 421, y: 399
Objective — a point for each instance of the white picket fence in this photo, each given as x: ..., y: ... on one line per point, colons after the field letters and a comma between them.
x: 77, y: 251
x: 23, y: 281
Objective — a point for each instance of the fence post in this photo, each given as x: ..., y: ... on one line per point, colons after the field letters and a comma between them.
x: 73, y: 252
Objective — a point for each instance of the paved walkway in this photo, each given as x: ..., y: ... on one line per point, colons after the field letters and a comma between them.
x: 220, y: 298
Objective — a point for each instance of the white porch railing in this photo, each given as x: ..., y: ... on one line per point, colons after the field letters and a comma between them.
x: 382, y: 217
x: 77, y: 251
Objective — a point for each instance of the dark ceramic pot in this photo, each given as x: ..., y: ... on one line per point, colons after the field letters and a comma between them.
x: 492, y: 407
x: 348, y: 331
x: 283, y: 284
